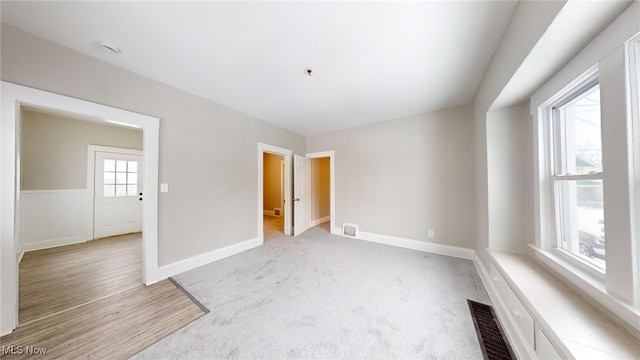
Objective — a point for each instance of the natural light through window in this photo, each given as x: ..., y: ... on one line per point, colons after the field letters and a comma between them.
x: 120, y: 178
x: 578, y: 174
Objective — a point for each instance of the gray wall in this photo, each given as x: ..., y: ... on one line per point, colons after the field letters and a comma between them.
x: 208, y: 152
x: 530, y: 20
x: 54, y: 149
x: 510, y: 173
x: 405, y: 176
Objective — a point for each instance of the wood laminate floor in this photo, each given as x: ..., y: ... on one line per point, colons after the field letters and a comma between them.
x: 56, y: 279
x: 88, y: 301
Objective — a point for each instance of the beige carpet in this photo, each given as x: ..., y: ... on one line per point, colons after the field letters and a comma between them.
x: 321, y: 296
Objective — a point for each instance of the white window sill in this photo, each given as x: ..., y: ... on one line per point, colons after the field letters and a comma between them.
x: 572, y: 323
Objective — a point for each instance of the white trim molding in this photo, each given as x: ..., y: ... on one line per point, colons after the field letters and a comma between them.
x: 317, y: 222
x: 206, y: 258
x: 440, y: 249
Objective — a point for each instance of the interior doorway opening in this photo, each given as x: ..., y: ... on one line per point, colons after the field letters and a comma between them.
x: 322, y: 191
x: 273, y: 195
x: 276, y: 161
x: 14, y: 98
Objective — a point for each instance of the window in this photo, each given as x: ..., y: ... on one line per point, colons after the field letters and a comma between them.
x: 577, y: 172
x: 120, y: 178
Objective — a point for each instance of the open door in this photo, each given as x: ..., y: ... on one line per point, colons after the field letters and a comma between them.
x: 300, y: 195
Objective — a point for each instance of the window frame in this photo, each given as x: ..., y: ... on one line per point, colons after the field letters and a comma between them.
x: 556, y: 168
x: 617, y: 291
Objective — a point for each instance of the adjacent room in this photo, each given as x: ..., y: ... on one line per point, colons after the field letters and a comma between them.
x: 330, y: 180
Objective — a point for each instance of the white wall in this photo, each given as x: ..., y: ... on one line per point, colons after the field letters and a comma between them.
x: 207, y: 151
x: 402, y: 177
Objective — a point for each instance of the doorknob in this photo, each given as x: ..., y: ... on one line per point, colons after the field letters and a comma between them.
x: 296, y: 199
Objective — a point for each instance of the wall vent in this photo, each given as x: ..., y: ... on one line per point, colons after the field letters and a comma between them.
x: 350, y: 230
x: 276, y: 212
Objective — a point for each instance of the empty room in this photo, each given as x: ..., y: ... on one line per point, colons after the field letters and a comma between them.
x: 320, y: 179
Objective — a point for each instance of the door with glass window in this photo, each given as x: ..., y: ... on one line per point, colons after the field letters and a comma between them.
x: 118, y: 194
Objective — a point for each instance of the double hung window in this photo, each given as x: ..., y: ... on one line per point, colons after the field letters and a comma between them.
x: 577, y: 173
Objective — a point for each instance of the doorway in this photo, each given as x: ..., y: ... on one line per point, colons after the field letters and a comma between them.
x: 282, y: 166
x: 273, y: 195
x: 16, y: 96
x: 118, y: 191
x: 322, y: 190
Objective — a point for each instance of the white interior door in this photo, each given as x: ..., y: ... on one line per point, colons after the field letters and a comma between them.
x: 117, y: 189
x: 301, y: 183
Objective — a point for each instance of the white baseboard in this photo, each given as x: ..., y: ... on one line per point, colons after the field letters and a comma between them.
x: 319, y: 221
x: 51, y: 243
x: 440, y: 249
x: 9, y: 322
x: 517, y: 342
x: 206, y: 258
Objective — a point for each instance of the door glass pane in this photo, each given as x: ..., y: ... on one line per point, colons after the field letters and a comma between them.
x: 581, y: 137
x: 132, y: 178
x: 109, y: 190
x: 109, y: 165
x: 121, y: 190
x: 109, y: 177
x: 132, y: 190
x: 133, y: 166
x: 121, y: 165
x: 580, y: 207
x: 121, y: 178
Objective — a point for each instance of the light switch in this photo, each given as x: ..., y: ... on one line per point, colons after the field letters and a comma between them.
x: 164, y: 188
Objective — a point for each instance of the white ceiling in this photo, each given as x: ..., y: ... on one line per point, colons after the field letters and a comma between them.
x: 371, y: 61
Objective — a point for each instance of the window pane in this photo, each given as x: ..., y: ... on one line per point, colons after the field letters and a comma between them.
x: 580, y: 207
x: 109, y: 178
x: 132, y: 178
x: 109, y: 165
x: 109, y: 190
x: 121, y: 178
x: 580, y: 134
x: 121, y: 190
x: 121, y: 165
x: 133, y: 166
x: 132, y: 190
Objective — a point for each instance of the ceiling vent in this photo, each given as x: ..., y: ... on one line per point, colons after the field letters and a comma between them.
x: 350, y: 230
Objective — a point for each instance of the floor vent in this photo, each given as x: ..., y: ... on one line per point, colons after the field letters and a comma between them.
x: 493, y: 343
x: 276, y: 212
x: 350, y: 230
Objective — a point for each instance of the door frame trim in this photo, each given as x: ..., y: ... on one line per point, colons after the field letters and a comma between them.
x: 331, y: 154
x: 287, y: 154
x: 91, y: 165
x: 13, y: 98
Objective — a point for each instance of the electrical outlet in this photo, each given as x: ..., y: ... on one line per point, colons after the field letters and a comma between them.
x: 430, y: 233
